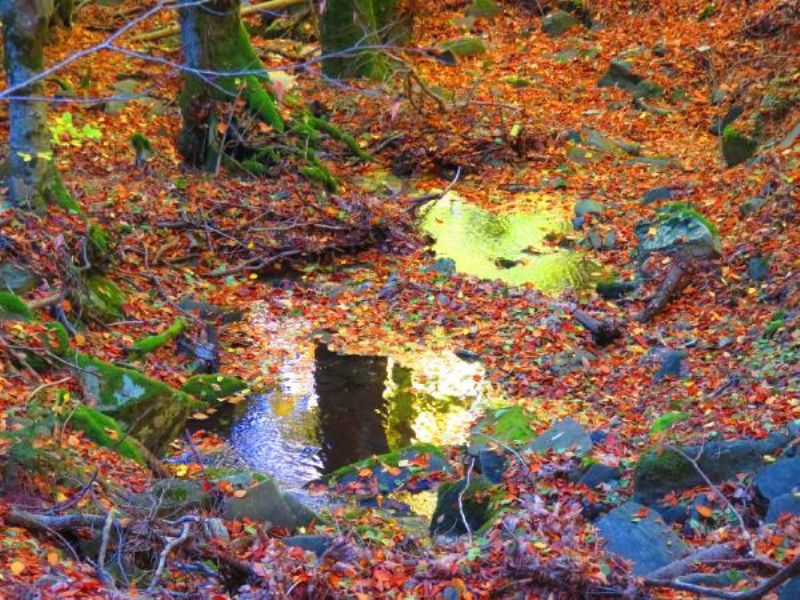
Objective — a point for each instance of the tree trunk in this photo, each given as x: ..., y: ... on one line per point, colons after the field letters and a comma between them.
x: 347, y: 25
x: 223, y: 66
x: 33, y: 179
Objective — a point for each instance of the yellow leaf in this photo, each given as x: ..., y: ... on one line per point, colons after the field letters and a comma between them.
x: 704, y: 511
x: 52, y: 558
x: 199, y: 416
x: 540, y: 545
x: 240, y: 493
x: 17, y: 567
x: 181, y: 470
x: 112, y: 433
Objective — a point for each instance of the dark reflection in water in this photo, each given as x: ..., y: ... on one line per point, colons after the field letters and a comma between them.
x: 350, y: 398
x: 329, y: 410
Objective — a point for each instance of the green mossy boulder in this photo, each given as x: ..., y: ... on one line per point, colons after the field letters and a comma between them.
x: 263, y: 503
x: 658, y: 473
x: 213, y: 387
x: 679, y: 226
x: 16, y: 279
x: 150, y: 410
x: 101, y: 299
x: 558, y: 22
x: 13, y: 308
x: 737, y: 147
x: 105, y: 431
x: 476, y: 499
x: 509, y: 425
x: 483, y: 9
x: 466, y: 46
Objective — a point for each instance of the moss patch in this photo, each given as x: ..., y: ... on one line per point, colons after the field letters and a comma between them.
x: 14, y: 308
x: 477, y: 500
x: 213, y: 387
x: 509, y: 425
x: 390, y: 459
x: 105, y: 431
x: 101, y: 299
x: 736, y: 147
x: 153, y: 342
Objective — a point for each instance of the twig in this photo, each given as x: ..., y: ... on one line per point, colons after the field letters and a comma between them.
x: 415, y: 203
x: 162, y: 559
x: 704, y: 556
x: 461, y: 501
x: 101, y: 556
x: 46, y: 385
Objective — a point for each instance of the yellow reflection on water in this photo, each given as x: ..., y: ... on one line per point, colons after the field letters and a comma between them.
x: 420, y: 503
x: 511, y: 246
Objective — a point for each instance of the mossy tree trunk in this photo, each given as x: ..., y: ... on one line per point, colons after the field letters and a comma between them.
x: 221, y: 66
x: 33, y: 179
x: 352, y: 32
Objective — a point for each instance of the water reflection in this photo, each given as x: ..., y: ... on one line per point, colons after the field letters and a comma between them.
x: 513, y: 246
x: 330, y: 410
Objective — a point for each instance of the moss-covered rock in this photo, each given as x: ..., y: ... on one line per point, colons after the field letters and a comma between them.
x: 483, y: 9
x: 14, y: 308
x: 558, y: 22
x: 737, y: 147
x: 465, y: 46
x: 262, y: 503
x: 213, y: 387
x: 658, y: 473
x: 476, y: 499
x: 16, y: 279
x: 57, y: 338
x: 393, y: 470
x: 101, y: 299
x: 509, y: 425
x: 105, y: 431
x: 153, y: 412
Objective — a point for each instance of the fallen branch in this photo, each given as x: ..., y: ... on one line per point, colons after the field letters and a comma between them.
x: 702, y: 556
x: 674, y: 283
x: 162, y: 559
x: 246, y: 10
x: 603, y: 332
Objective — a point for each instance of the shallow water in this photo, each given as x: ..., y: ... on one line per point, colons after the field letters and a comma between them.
x: 329, y: 409
x: 513, y: 247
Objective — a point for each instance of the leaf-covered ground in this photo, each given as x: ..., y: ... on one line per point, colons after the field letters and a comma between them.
x: 506, y: 127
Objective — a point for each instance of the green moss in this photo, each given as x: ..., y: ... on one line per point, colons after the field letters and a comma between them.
x: 339, y: 135
x: 775, y: 324
x: 685, y: 210
x: 708, y: 11
x: 141, y: 144
x: 101, y: 298
x: 253, y: 167
x: 14, y: 308
x: 213, y: 387
x: 737, y: 147
x: 391, y: 459
x: 100, y: 245
x: 466, y: 46
x: 105, y: 431
x: 509, y: 425
x: 345, y: 27
x: 62, y: 338
x: 318, y: 172
x: 153, y: 342
x: 58, y: 193
x: 155, y: 412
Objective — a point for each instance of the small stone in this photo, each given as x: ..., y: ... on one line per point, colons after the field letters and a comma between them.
x: 597, y: 474
x: 588, y: 206
x: 783, y: 504
x: 659, y: 193
x: 751, y: 205
x: 671, y: 365
x: 318, y: 544
x: 492, y: 464
x: 558, y: 22
x: 737, y: 147
x: 757, y: 268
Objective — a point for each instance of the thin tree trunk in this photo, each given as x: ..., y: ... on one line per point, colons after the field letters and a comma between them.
x: 223, y: 67
x: 33, y: 179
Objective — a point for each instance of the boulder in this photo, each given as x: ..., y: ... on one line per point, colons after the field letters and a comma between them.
x: 783, y: 504
x: 737, y: 147
x: 672, y: 365
x: 263, y: 503
x: 659, y: 473
x: 779, y: 478
x: 150, y: 410
x: 16, y: 279
x: 566, y: 434
x: 620, y: 74
x: 678, y: 227
x: 558, y: 22
x: 492, y: 464
x: 509, y: 425
x: 172, y: 498
x: 656, y: 194
x: 476, y: 500
x: 641, y: 536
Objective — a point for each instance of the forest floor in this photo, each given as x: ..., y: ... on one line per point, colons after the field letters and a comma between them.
x: 505, y: 129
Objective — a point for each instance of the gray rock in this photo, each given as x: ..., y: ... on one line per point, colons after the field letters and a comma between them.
x: 318, y: 544
x: 672, y: 365
x: 597, y: 474
x: 303, y: 515
x: 779, y: 478
x: 558, y: 23
x: 563, y: 435
x: 734, y: 112
x: 217, y: 529
x: 619, y: 74
x: 656, y: 194
x: 475, y: 500
x: 263, y: 504
x: 659, y: 473
x: 681, y: 230
x: 588, y: 206
x: 16, y: 279
x: 616, y: 289
x: 757, y: 268
x: 751, y: 205
x: 783, y: 504
x: 492, y: 464
x: 647, y: 541
x: 791, y: 137
x: 171, y: 498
